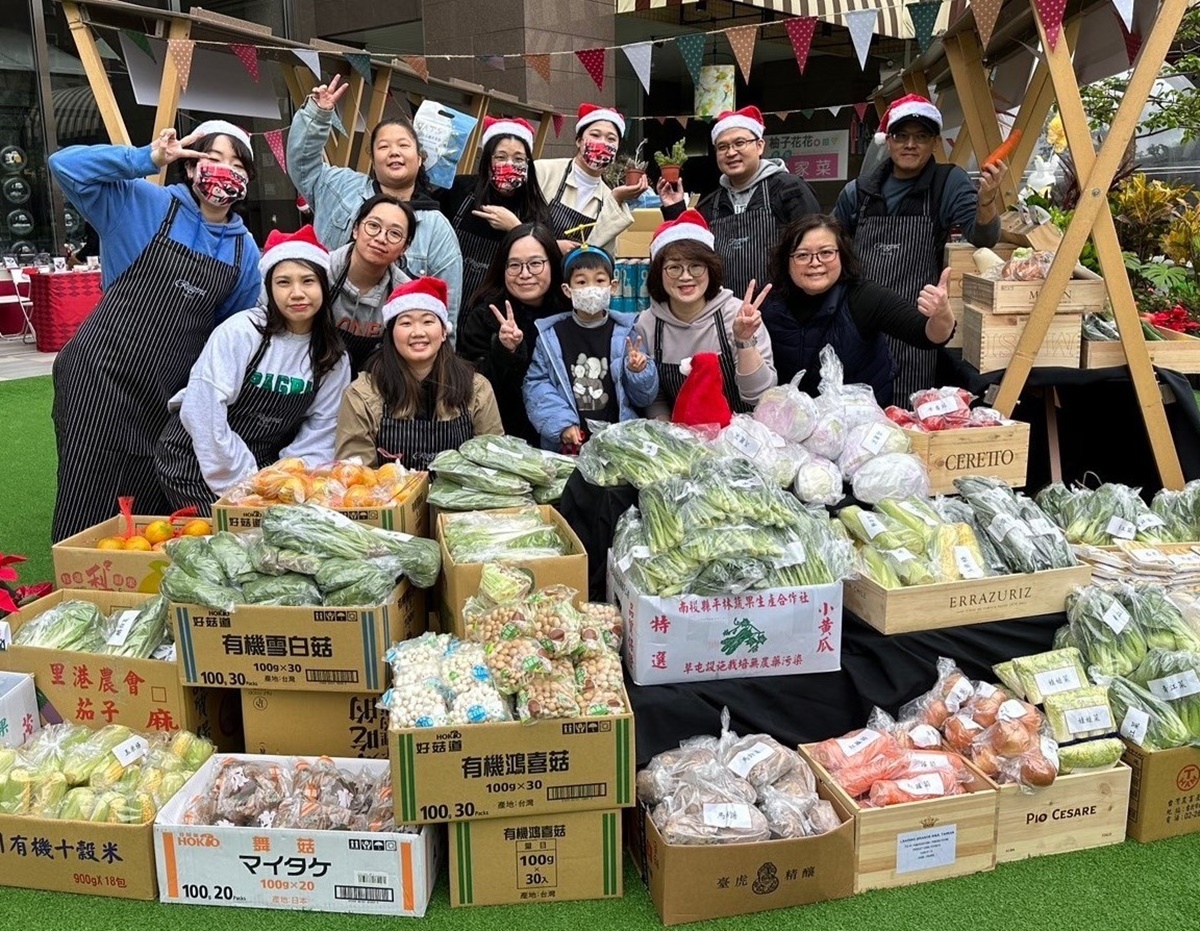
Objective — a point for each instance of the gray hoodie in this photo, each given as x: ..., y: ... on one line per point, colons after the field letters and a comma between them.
x: 741, y: 196
x: 683, y: 340
x: 359, y: 312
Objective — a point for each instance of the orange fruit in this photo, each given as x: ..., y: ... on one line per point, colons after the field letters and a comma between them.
x: 138, y: 543
x: 319, y: 489
x: 197, y: 527
x: 292, y: 464
x: 358, y: 496
x: 294, y: 489
x: 390, y: 473
x: 110, y: 543
x: 158, y: 531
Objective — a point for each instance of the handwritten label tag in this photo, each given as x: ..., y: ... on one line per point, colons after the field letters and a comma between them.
x: 744, y: 761
x: 5, y: 635
x: 852, y: 745
x: 1120, y: 529
x: 130, y: 751
x: 1116, y: 617
x: 122, y: 628
x: 946, y: 405
x: 1173, y: 688
x: 743, y: 442
x: 964, y: 559
x: 1084, y: 720
x: 872, y: 525
x: 1055, y: 680
x: 1135, y: 725
x: 727, y: 815
x: 875, y: 438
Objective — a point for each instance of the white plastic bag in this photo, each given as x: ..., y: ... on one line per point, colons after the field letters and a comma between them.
x: 788, y: 411
x: 818, y: 481
x: 892, y: 475
x: 868, y: 440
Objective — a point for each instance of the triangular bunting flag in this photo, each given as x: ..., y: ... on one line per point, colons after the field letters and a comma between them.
x: 139, y: 39
x: 924, y: 17
x: 274, y: 139
x: 807, y: 114
x: 557, y: 119
x: 1133, y: 42
x: 662, y: 120
x: 835, y: 110
x: 418, y: 64
x: 336, y: 120
x: 181, y: 53
x: 800, y: 30
x: 540, y: 64
x: 862, y: 27
x: 360, y: 62
x: 311, y: 60
x: 1125, y: 11
x: 593, y: 63
x: 861, y: 110
x: 691, y: 47
x: 742, y: 40
x: 1050, y: 12
x: 492, y: 61
x: 682, y: 121
x: 248, y: 55
x: 639, y: 59
x: 986, y: 12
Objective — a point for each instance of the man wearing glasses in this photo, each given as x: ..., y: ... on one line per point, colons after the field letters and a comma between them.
x: 756, y: 199
x: 901, y: 217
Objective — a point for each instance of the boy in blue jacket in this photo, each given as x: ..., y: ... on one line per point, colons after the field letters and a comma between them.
x: 588, y: 368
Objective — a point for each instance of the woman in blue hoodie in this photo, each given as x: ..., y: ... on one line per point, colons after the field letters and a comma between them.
x: 176, y: 262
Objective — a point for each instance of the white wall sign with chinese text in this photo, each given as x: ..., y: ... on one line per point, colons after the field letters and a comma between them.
x: 819, y: 156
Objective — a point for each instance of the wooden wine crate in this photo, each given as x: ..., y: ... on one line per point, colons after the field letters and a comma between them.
x: 959, y: 257
x: 1082, y: 295
x: 1077, y: 812
x: 917, y: 842
x: 989, y: 340
x: 1178, y: 352
x: 993, y: 452
x: 956, y: 338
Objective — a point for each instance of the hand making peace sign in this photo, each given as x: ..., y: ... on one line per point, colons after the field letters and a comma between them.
x: 167, y: 147
x: 510, y: 334
x: 749, y: 318
x: 635, y: 359
x: 326, y: 96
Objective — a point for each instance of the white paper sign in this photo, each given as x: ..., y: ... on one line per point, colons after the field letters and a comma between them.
x: 1001, y: 526
x: 1116, y: 617
x: 985, y: 690
x: 1041, y: 527
x: 964, y: 559
x: 921, y: 786
x: 852, y: 745
x: 960, y: 693
x: 926, y: 735
x: 1057, y: 680
x: 946, y: 405
x: 926, y: 850
x: 872, y: 525
x: 1149, y: 521
x: 727, y: 815
x: 876, y: 437
x: 1083, y: 720
x: 1011, y: 710
x: 122, y: 628
x: 5, y: 635
x: 1173, y: 688
x: 743, y: 442
x: 130, y: 751
x: 1120, y: 529
x: 1135, y: 725
x: 744, y: 761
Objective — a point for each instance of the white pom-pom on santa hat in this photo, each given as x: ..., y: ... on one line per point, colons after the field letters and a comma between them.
x: 493, y: 127
x: 685, y: 367
x: 747, y: 118
x: 225, y: 128
x: 689, y: 225
x: 910, y: 106
x: 283, y: 247
x: 590, y: 113
x: 424, y: 294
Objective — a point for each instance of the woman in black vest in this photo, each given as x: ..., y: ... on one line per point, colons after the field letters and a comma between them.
x: 820, y: 298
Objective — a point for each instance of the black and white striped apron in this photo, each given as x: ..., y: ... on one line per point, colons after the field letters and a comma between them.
x: 358, y: 347
x: 477, y: 252
x: 671, y: 379
x: 113, y: 379
x: 903, y: 253
x: 266, y: 421
x: 744, y: 240
x: 415, y: 443
x: 563, y: 218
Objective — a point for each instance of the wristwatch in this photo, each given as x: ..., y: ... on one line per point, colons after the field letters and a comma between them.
x: 746, y: 343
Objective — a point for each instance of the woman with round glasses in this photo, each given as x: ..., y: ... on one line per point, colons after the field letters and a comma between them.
x: 819, y: 297
x: 499, y: 332
x: 691, y: 311
x: 366, y: 270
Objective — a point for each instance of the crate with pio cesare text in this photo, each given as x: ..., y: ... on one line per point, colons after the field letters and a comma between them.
x: 353, y: 872
x: 1077, y: 812
x: 18, y: 709
x: 335, y: 649
x: 78, y: 564
x: 345, y: 724
x: 1082, y: 295
x: 408, y: 515
x: 509, y: 769
x: 543, y: 858
x: 916, y: 842
x: 969, y: 601
x: 993, y: 452
x: 1164, y: 792
x: 693, y: 638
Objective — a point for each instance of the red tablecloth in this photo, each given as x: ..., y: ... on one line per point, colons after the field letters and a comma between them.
x: 61, y: 301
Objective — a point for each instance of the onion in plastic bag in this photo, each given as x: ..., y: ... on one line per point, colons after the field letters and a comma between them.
x: 787, y: 411
x: 868, y: 440
x: 818, y: 481
x: 892, y: 475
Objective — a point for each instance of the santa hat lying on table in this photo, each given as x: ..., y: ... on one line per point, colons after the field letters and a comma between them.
x: 701, y: 400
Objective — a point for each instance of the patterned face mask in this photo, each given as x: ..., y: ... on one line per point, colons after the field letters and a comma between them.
x: 591, y: 300
x: 221, y: 185
x: 508, y: 177
x: 599, y: 155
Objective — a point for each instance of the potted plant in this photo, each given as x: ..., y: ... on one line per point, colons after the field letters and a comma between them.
x: 634, y: 166
x: 671, y: 161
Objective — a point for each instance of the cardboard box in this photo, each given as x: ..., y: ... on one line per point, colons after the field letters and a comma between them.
x: 693, y: 638
x: 520, y: 861
x: 78, y: 564
x: 989, y: 340
x: 460, y: 581
x: 93, y: 689
x: 1082, y: 295
x: 1079, y: 811
x: 408, y: 516
x: 343, y: 724
x: 994, y: 452
x: 917, y: 842
x: 18, y: 709
x: 307, y: 649
x: 355, y: 872
x: 696, y: 883
x: 508, y: 769
x: 1164, y: 792
x: 1177, y: 351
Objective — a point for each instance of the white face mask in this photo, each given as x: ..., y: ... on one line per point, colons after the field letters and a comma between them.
x: 591, y: 300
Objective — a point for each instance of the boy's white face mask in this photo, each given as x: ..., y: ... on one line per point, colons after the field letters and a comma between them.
x: 591, y: 300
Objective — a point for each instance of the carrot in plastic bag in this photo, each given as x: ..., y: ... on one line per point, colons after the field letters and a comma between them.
x: 936, y: 784
x: 856, y: 747
x: 857, y: 779
x: 919, y: 762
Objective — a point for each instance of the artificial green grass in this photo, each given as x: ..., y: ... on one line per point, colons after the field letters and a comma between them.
x: 1127, y: 886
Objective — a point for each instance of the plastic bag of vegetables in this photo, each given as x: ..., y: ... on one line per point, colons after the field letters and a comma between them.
x: 723, y: 489
x: 828, y: 438
x: 548, y: 494
x: 868, y: 440
x: 454, y: 465
x: 661, y: 505
x: 183, y: 588
x: 787, y: 411
x: 880, y: 530
x: 137, y: 632
x: 1090, y: 755
x: 195, y: 557
x: 954, y: 554
x: 1104, y: 631
x: 1143, y: 718
x: 560, y: 466
x: 451, y: 496
x: 1042, y: 674
x: 480, y: 536
x: 729, y: 576
x: 337, y: 573
x: 508, y: 454
x: 856, y: 403
x: 1080, y: 714
x: 915, y: 513
x: 288, y: 590
x: 1026, y: 539
x: 892, y: 475
x: 69, y: 625
x: 1174, y: 677
x: 229, y: 550
x: 751, y: 440
x: 901, y: 565
x: 1159, y: 620
x: 819, y: 481
x: 1112, y: 512
x: 956, y: 510
x: 1179, y: 512
x: 638, y: 452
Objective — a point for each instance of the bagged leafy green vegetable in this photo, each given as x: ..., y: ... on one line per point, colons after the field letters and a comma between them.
x: 745, y: 540
x: 1144, y: 719
x: 69, y: 625
x: 878, y: 568
x: 661, y: 505
x: 549, y: 494
x: 508, y: 454
x: 421, y: 558
x: 880, y: 530
x: 372, y: 588
x: 183, y: 588
x: 1025, y: 538
x: 1179, y: 512
x: 1104, y: 631
x: 320, y: 531
x: 451, y: 496
x: 194, y: 556
x: 560, y: 466
x: 1112, y: 512
x: 136, y: 632
x: 1156, y: 616
x: 730, y: 576
x: 638, y: 452
x: 229, y: 550
x: 1091, y: 754
x: 338, y: 573
x: 288, y: 590
x: 1080, y: 714
x: 956, y: 510
x: 503, y: 584
x: 480, y: 536
x: 1042, y: 674
x: 1174, y: 677
x: 452, y: 464
x: 669, y: 573
x: 728, y: 488
x: 1057, y: 502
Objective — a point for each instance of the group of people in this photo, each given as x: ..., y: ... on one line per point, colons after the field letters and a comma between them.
x: 407, y: 319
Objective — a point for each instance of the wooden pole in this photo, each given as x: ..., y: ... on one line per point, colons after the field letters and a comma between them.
x: 169, y: 89
x: 543, y: 132
x: 979, y: 112
x: 478, y: 109
x: 350, y: 103
x: 93, y: 66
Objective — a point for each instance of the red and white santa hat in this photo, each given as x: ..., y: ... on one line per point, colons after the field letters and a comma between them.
x: 702, y: 401
x: 426, y: 295
x: 493, y: 127
x: 302, y: 244
x: 688, y: 225
x: 908, y: 107
x: 590, y: 113
x: 208, y: 127
x: 747, y: 118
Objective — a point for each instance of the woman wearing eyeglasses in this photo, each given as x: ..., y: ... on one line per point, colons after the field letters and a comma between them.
x: 819, y: 297
x: 366, y: 270
x: 691, y: 311
x: 501, y: 196
x: 499, y: 333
